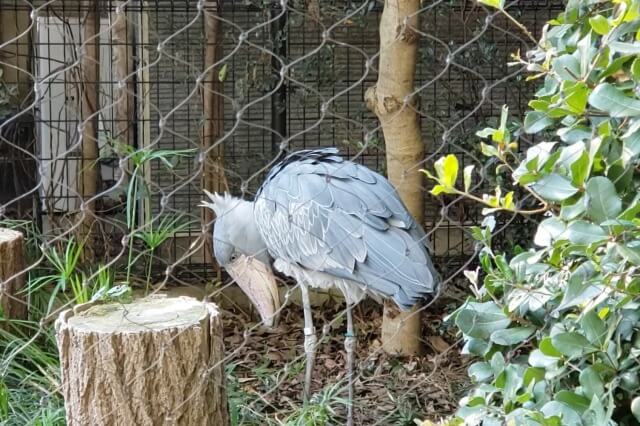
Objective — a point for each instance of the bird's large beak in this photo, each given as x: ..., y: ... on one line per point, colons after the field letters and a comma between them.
x: 258, y: 282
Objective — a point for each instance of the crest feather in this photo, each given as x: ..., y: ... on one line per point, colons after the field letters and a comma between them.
x: 219, y: 203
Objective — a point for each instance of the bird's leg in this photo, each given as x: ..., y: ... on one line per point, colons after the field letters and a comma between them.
x: 310, y: 340
x: 350, y: 348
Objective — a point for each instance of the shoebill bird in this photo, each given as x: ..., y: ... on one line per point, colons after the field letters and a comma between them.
x: 325, y: 222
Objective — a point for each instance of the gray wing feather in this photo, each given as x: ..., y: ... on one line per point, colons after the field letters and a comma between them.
x: 330, y: 215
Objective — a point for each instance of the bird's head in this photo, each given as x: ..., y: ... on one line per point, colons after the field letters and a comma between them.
x: 240, y: 249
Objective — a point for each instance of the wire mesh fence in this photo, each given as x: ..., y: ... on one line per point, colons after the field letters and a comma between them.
x: 116, y: 115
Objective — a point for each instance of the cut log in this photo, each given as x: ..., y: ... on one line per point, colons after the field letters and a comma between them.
x: 12, y: 275
x: 155, y: 361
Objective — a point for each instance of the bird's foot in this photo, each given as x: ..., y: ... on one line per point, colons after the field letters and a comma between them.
x: 310, y: 340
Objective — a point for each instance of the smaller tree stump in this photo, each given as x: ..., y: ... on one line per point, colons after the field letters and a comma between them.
x: 12, y: 276
x: 155, y: 361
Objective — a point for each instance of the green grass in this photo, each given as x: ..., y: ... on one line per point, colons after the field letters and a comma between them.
x: 250, y: 408
x: 29, y: 376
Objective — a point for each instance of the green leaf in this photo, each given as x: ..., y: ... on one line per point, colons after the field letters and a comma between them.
x: 591, y: 382
x: 486, y: 132
x: 489, y: 150
x: 614, y: 66
x: 606, y: 97
x: 512, y: 381
x: 579, y: 289
x: 582, y: 232
x: 576, y: 98
x: 635, y: 69
x: 547, y: 348
x: 572, y: 211
x: 480, y: 371
x: 580, y: 169
x: 554, y: 187
x: 475, y: 347
x: 536, y: 121
x: 586, y: 52
x: 533, y: 374
x: 512, y: 336
x: 625, y: 48
x: 479, y: 320
x: 539, y: 104
x: 538, y: 359
x: 222, y: 74
x: 630, y: 145
x: 497, y: 363
x: 562, y: 411
x: 594, y: 328
x: 599, y: 24
x: 597, y: 412
x: 571, y: 344
x: 574, y: 134
x: 467, y: 173
x: 501, y: 135
x: 548, y: 231
x: 497, y: 4
x: 567, y: 67
x: 630, y: 254
x: 573, y: 400
x: 603, y: 201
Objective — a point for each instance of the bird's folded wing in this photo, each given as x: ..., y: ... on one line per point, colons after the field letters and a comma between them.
x: 334, y: 216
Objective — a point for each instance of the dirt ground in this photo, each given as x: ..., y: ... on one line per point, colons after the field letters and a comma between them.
x: 266, y: 369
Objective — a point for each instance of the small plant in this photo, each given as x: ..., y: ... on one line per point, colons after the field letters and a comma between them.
x: 63, y: 270
x: 138, y: 191
x: 153, y: 236
x: 321, y: 408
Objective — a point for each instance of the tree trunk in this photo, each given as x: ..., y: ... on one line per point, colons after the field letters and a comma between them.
x: 390, y: 100
x: 156, y: 361
x: 89, y: 169
x: 213, y: 177
x: 12, y: 276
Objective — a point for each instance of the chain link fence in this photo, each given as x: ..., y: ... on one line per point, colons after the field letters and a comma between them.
x: 115, y: 115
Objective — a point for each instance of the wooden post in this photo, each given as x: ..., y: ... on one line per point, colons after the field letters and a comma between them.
x: 15, y: 68
x: 15, y: 54
x: 155, y: 361
x: 123, y: 61
x: 403, y: 142
x: 90, y: 82
x: 12, y: 277
x: 213, y: 176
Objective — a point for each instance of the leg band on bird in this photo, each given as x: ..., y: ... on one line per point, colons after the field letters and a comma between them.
x: 310, y: 341
x: 350, y: 344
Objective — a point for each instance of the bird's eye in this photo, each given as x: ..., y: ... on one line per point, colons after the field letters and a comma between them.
x: 233, y: 257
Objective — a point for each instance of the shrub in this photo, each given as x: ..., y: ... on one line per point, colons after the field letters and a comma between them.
x: 557, y: 326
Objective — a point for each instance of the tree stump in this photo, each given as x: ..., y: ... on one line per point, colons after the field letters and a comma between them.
x: 13, y: 305
x: 155, y: 361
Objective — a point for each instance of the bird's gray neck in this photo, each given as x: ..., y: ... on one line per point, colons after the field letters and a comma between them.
x: 248, y: 234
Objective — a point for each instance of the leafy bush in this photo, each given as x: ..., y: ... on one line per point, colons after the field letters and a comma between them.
x: 557, y: 327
